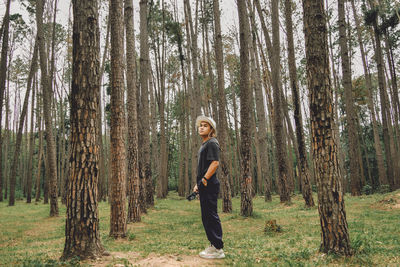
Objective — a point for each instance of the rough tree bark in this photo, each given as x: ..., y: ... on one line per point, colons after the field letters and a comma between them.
x: 40, y: 152
x: 385, y: 117
x: 281, y: 154
x: 118, y: 151
x: 82, y: 232
x: 303, y: 163
x: 47, y: 96
x: 145, y: 119
x: 262, y: 121
x: 3, y: 74
x: 334, y: 229
x: 351, y: 115
x: 133, y: 168
x: 377, y: 143
x: 246, y: 203
x: 222, y: 129
x: 103, y: 177
x: 29, y: 173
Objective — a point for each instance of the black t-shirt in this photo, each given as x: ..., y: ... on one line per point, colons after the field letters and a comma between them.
x: 208, y: 152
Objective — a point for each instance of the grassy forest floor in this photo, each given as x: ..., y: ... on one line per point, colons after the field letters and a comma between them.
x: 171, y: 234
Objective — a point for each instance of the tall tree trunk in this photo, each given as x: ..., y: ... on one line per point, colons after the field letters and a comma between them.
x: 24, y: 157
x: 193, y: 87
x: 144, y: 138
x: 385, y: 117
x: 262, y: 122
x: 367, y: 77
x: 13, y: 170
x: 303, y: 163
x: 155, y: 164
x: 222, y: 129
x: 182, y: 183
x: 187, y: 143
x: 214, y: 92
x: 341, y: 156
x: 102, y: 192
x: 335, y: 237
x: 246, y: 203
x: 53, y: 106
x: 133, y: 168
x: 7, y: 143
x: 190, y: 104
x: 40, y: 147
x: 3, y: 74
x: 45, y: 173
x: 61, y: 154
x: 118, y: 151
x: 395, y: 107
x: 47, y: 96
x: 267, y: 86
x: 393, y: 77
x: 281, y: 154
x: 351, y: 115
x: 82, y: 232
x: 29, y: 173
x: 163, y: 175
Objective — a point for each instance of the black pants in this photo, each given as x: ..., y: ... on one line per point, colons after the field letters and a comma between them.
x: 210, y: 218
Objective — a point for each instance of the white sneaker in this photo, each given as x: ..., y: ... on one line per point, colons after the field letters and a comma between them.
x: 206, y: 251
x: 212, y: 253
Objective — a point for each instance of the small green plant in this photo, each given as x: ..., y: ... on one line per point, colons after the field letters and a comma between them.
x: 383, y: 189
x: 366, y: 190
x: 272, y: 227
x: 131, y: 236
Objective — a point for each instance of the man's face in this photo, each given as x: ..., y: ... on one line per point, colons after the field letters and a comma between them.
x: 204, y: 128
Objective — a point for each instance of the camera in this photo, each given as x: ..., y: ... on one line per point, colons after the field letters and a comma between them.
x: 192, y: 196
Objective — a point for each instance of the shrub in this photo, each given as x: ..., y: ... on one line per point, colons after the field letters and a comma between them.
x: 382, y: 189
x: 366, y: 190
x: 271, y: 226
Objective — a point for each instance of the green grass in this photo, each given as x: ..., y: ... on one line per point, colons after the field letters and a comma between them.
x: 28, y: 237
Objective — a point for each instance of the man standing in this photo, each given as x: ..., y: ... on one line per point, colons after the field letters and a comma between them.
x: 208, y: 187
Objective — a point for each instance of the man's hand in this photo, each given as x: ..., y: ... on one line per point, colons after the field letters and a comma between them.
x: 195, y: 189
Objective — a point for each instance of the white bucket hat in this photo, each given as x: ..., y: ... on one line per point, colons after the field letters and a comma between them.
x: 206, y: 119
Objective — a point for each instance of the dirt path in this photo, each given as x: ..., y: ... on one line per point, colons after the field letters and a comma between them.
x: 390, y: 202
x: 121, y: 259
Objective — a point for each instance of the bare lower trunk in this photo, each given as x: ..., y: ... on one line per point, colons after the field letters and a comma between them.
x: 3, y: 74
x: 82, y: 233
x: 351, y: 115
x: 103, y: 177
x: 367, y: 76
x: 133, y: 168
x: 335, y: 237
x: 383, y: 101
x: 47, y: 99
x: 29, y: 174
x: 118, y: 151
x: 144, y: 80
x: 222, y: 129
x: 304, y: 172
x: 11, y: 200
x: 281, y: 153
x: 40, y: 152
x: 264, y: 175
x: 193, y: 88
x: 246, y: 203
